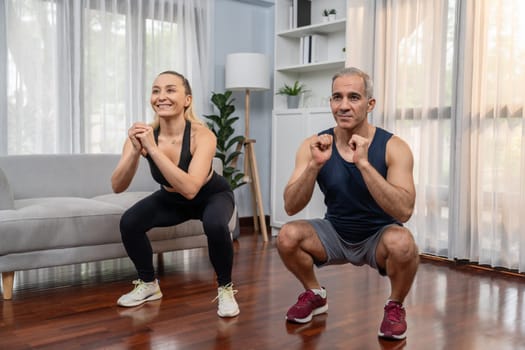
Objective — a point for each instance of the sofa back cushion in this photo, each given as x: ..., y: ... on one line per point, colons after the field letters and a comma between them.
x: 6, y: 195
x: 68, y: 175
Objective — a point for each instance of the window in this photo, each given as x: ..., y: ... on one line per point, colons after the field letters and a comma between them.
x: 79, y: 72
x: 454, y: 76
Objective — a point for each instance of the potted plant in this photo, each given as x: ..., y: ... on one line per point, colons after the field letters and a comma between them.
x: 331, y: 15
x: 292, y: 93
x: 325, y: 14
x: 222, y: 127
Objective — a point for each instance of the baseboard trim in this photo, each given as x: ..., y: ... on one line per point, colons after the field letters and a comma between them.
x: 470, y: 265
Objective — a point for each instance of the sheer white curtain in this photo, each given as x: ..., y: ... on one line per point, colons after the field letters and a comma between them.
x: 490, y: 138
x: 449, y: 78
x: 76, y: 74
x: 413, y: 64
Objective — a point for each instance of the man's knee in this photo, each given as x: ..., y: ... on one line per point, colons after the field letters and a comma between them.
x: 289, y: 237
x: 400, y: 244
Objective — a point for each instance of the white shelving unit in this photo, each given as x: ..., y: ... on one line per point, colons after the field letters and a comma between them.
x: 291, y: 126
x: 288, y: 67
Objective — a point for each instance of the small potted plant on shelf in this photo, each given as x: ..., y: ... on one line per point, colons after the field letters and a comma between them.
x: 331, y: 15
x: 324, y: 17
x: 292, y: 93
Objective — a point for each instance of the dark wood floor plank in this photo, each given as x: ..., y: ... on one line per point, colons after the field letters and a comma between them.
x: 74, y: 307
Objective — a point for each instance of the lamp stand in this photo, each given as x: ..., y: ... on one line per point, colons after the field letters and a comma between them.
x: 250, y: 170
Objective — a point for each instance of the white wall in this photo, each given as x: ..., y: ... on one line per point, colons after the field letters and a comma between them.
x: 248, y: 26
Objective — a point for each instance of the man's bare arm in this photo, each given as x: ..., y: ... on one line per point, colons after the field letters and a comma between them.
x: 311, y: 156
x: 396, y: 194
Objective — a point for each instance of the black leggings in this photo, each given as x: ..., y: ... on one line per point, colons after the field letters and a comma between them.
x: 163, y: 208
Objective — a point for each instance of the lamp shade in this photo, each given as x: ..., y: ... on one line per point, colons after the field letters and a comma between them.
x: 247, y: 71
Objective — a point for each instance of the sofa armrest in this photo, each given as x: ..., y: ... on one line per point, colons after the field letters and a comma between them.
x: 217, y: 165
x: 6, y: 195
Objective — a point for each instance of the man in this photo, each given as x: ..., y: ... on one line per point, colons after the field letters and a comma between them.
x: 365, y: 174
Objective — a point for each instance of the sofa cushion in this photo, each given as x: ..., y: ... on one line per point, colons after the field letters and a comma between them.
x: 124, y: 199
x: 56, y: 222
x: 64, y: 175
x: 6, y: 195
x: 65, y: 222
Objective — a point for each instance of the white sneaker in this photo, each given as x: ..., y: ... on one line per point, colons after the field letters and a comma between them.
x: 227, y: 305
x: 143, y: 291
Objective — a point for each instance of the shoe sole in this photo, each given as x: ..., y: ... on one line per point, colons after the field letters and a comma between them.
x: 152, y: 297
x: 318, y: 311
x: 392, y: 337
x: 235, y: 313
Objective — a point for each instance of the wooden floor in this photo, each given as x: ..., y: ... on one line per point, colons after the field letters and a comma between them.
x: 73, y: 307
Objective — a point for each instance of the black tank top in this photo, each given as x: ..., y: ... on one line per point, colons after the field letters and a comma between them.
x: 185, y: 155
x: 351, y: 208
x: 216, y: 184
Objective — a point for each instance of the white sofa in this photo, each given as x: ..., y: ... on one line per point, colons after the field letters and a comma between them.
x: 60, y: 209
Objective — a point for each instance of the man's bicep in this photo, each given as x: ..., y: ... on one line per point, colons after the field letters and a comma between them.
x: 400, y: 165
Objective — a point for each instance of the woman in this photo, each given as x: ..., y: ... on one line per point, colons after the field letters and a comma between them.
x: 180, y: 151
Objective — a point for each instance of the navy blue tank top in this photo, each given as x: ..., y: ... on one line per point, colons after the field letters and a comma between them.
x: 351, y: 208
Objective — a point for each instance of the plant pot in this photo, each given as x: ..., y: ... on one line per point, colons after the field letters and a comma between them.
x: 324, y: 18
x: 293, y: 101
x: 331, y: 17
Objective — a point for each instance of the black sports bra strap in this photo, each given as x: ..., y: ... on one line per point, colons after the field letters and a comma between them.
x: 156, y: 134
x: 185, y: 153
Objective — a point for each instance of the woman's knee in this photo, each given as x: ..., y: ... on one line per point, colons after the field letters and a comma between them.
x: 216, y: 230
x: 125, y: 222
x: 129, y: 224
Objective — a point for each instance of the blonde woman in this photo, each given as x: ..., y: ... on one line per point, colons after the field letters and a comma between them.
x: 180, y: 151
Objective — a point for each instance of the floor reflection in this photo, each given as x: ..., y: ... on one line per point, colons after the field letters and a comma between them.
x: 385, y: 344
x: 226, y: 327
x: 141, y: 314
x: 310, y: 332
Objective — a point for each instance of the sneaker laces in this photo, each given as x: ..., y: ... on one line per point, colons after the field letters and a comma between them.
x: 225, y: 292
x: 139, y: 285
x: 394, y: 312
x: 304, y: 298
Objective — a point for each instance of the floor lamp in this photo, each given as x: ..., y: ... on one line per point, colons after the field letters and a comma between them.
x: 249, y: 72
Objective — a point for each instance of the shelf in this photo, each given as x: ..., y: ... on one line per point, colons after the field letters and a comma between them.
x: 312, y: 67
x: 327, y: 56
x: 291, y: 126
x: 320, y: 28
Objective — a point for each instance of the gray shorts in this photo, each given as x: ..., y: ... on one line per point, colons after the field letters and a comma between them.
x: 341, y: 252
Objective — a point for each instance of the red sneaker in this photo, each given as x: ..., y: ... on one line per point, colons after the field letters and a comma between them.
x: 394, y: 325
x: 308, y: 305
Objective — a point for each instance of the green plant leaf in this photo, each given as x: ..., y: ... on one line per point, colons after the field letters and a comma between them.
x: 231, y: 157
x: 222, y: 125
x: 234, y: 141
x: 291, y: 90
